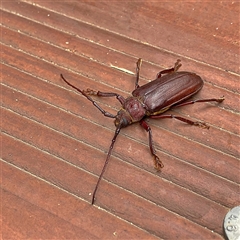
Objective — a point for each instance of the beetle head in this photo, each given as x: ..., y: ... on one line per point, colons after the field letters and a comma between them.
x: 123, y: 119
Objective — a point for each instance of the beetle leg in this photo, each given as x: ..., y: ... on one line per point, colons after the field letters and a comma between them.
x: 177, y: 65
x: 164, y: 72
x: 106, y: 114
x: 104, y: 94
x: 157, y: 162
x: 219, y: 100
x: 199, y: 124
x: 139, y: 63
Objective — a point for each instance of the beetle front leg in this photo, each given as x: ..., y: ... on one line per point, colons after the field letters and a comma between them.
x: 120, y: 98
x: 157, y: 162
x: 106, y: 114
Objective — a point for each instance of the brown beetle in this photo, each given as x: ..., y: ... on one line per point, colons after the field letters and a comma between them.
x: 151, y: 100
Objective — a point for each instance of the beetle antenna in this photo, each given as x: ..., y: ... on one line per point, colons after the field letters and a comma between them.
x: 106, y: 162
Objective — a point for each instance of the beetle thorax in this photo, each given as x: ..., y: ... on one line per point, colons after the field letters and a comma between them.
x: 135, y: 108
x: 133, y: 111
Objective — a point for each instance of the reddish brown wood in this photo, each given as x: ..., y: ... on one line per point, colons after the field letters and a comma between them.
x: 54, y: 142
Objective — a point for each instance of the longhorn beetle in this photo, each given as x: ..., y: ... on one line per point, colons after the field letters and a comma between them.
x: 151, y: 100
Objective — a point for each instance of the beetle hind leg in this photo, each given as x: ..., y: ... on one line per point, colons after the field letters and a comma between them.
x: 218, y: 100
x: 157, y: 162
x: 188, y: 121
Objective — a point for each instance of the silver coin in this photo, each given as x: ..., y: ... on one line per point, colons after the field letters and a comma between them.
x: 232, y: 224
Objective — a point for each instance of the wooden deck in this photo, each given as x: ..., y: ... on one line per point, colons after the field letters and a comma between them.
x: 54, y: 142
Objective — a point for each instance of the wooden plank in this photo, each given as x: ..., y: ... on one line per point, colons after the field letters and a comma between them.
x: 52, y: 213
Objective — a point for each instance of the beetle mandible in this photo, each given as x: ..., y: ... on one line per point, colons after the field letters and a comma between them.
x: 151, y: 100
